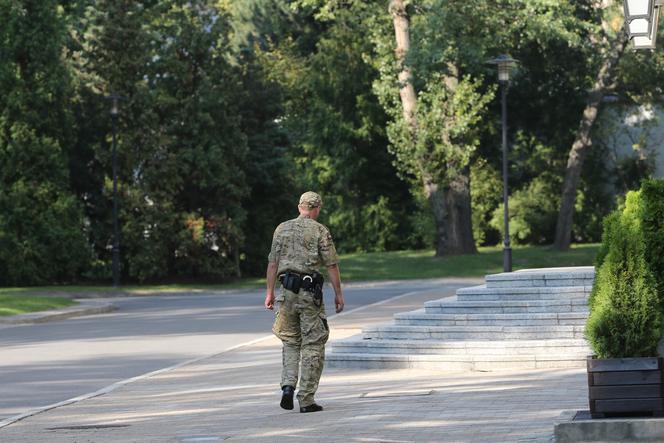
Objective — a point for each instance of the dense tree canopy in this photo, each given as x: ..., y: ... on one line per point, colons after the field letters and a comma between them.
x: 231, y: 109
x: 42, y: 231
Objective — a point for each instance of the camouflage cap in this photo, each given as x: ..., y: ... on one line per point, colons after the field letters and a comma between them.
x: 311, y: 200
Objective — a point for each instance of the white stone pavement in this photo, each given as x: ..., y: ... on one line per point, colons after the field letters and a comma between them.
x: 234, y: 397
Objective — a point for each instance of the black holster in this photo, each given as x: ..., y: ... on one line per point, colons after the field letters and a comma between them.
x: 316, y: 288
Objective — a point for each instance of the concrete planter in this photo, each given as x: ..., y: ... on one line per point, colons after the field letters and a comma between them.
x: 620, y: 387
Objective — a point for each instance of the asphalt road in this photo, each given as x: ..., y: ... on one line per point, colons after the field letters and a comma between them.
x: 42, y: 364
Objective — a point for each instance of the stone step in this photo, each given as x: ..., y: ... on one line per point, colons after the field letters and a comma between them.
x: 453, y: 362
x: 521, y: 320
x: 403, y: 332
x: 452, y: 305
x: 422, y: 318
x: 484, y: 293
x: 547, y: 277
x: 571, y: 347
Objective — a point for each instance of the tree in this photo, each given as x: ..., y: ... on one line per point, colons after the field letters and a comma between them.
x: 268, y: 167
x: 608, y: 45
x: 181, y: 147
x: 434, y: 138
x: 42, y: 230
x: 335, y: 124
x: 435, y: 93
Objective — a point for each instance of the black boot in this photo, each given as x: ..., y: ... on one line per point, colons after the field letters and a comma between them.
x: 287, y: 397
x: 311, y: 408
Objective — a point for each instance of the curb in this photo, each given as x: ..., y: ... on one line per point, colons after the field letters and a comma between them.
x: 86, y: 307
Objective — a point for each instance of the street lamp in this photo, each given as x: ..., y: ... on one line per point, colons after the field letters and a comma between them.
x: 115, y: 99
x: 641, y: 21
x: 505, y: 64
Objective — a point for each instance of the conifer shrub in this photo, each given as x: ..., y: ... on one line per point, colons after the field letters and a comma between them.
x: 625, y: 317
x: 652, y: 215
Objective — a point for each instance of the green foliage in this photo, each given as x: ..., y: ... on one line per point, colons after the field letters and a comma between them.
x: 550, y: 40
x: 608, y: 231
x: 372, y: 229
x: 594, y: 198
x: 625, y: 319
x: 447, y: 131
x: 647, y: 206
x: 233, y: 108
x: 652, y: 196
x: 486, y: 195
x: 532, y: 212
x: 42, y: 231
x: 423, y: 232
x: 269, y: 176
x: 180, y: 142
x: 336, y: 127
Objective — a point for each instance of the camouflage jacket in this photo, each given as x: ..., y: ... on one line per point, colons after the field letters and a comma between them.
x: 302, y: 245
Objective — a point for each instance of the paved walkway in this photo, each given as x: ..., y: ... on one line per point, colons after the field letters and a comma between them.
x: 234, y: 397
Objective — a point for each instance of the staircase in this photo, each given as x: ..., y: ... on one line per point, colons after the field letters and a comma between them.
x: 526, y: 319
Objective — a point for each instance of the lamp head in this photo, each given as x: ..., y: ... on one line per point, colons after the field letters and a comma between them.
x: 505, y: 63
x: 641, y: 22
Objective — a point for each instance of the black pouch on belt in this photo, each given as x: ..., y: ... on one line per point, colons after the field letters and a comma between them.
x: 291, y: 281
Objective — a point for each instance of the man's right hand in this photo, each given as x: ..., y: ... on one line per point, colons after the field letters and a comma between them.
x: 269, y: 301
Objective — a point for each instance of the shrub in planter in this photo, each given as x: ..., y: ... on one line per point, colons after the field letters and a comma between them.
x: 624, y: 327
x: 648, y: 206
x: 625, y: 319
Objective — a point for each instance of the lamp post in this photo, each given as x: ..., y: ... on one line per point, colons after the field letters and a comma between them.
x: 505, y: 64
x: 641, y: 22
x: 114, y: 98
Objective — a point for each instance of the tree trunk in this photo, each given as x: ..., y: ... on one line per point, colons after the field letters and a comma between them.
x: 436, y: 198
x: 582, y: 142
x: 402, y: 34
x: 458, y: 222
x: 451, y: 205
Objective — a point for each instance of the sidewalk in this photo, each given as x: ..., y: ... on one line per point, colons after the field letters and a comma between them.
x: 234, y: 397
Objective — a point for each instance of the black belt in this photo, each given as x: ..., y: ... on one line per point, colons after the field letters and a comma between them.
x: 294, y: 281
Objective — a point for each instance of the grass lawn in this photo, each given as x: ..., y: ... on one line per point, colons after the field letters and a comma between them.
x: 82, y: 290
x: 402, y: 265
x: 19, y: 304
x: 398, y: 265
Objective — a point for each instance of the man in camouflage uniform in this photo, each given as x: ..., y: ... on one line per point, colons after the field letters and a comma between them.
x: 299, y: 247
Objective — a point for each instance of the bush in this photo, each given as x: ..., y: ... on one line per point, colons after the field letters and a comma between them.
x: 607, y: 237
x: 485, y: 196
x: 652, y: 196
x: 533, y: 212
x: 625, y: 319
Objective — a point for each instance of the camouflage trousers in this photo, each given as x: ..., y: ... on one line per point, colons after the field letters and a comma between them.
x: 302, y: 328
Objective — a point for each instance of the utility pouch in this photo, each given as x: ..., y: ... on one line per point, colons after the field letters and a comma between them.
x: 291, y: 281
x: 317, y: 288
